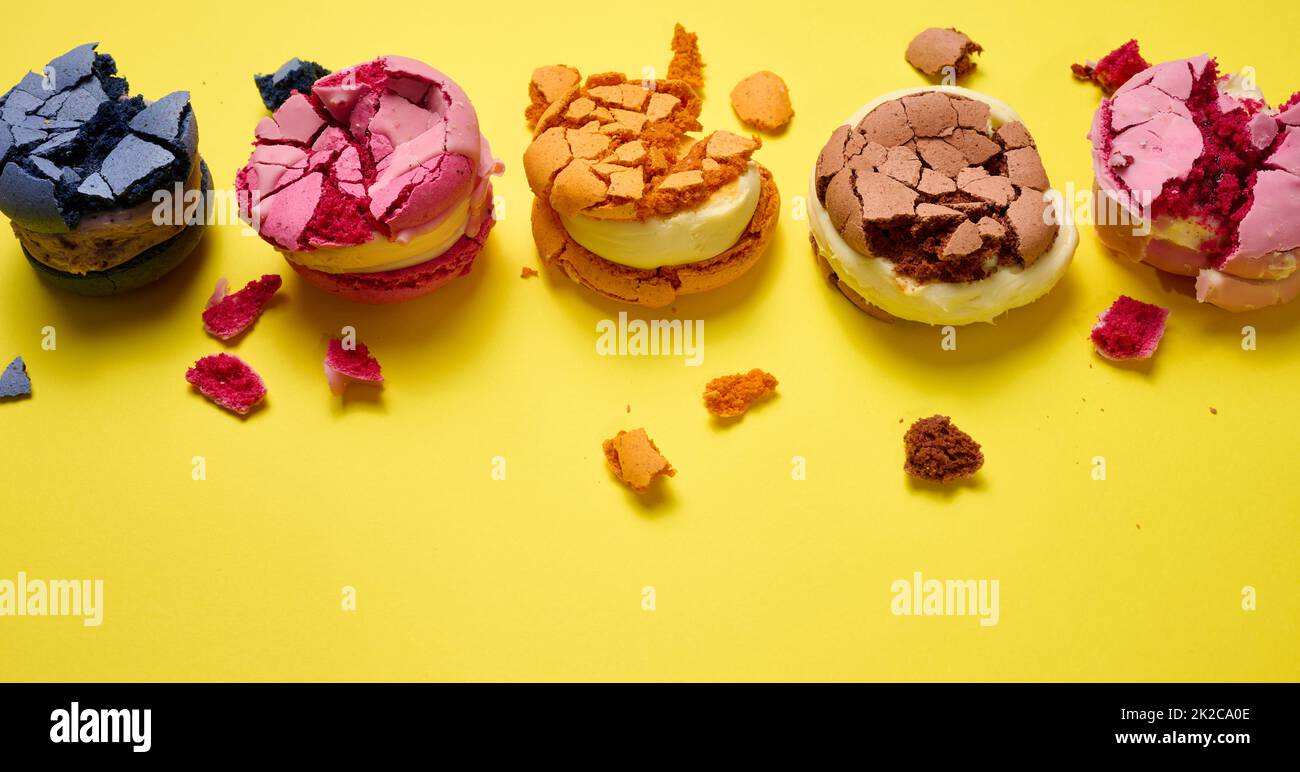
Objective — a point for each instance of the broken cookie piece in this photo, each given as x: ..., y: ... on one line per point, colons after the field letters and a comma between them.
x: 1114, y: 69
x: 938, y: 48
x: 762, y: 101
x: 14, y: 380
x: 934, y: 206
x: 687, y: 65
x: 229, y: 315
x: 936, y: 450
x: 635, y: 460
x: 228, y: 381
x: 547, y: 85
x: 731, y: 395
x: 1129, y: 329
x: 294, y: 75
x: 631, y: 204
x: 350, y: 363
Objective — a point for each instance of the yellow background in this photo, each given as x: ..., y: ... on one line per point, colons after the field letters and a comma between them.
x: 540, y: 576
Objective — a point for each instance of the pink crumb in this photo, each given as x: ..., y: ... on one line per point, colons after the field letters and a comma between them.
x: 344, y: 366
x: 228, y: 381
x: 1114, y: 69
x: 228, y: 315
x: 1129, y: 329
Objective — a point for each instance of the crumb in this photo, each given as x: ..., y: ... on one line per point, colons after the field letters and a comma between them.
x: 1129, y: 329
x: 547, y: 85
x: 762, y: 101
x: 344, y: 366
x: 229, y: 315
x: 228, y: 381
x: 1214, y: 411
x: 937, y: 48
x: 731, y: 395
x: 629, y: 408
x: 635, y: 459
x: 1139, y: 526
x: 686, y: 64
x: 14, y: 381
x: 294, y: 75
x: 1114, y: 69
x: 527, y: 273
x: 936, y: 450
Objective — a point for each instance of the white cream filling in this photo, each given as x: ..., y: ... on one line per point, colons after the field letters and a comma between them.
x: 688, y: 236
x: 942, y: 302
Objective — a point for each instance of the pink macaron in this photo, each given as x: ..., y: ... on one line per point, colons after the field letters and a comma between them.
x: 375, y: 186
x: 1208, y: 178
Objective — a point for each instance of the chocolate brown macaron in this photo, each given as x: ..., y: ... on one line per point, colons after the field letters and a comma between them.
x: 933, y: 205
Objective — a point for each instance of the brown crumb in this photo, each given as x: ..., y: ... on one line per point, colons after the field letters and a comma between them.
x: 937, y: 450
x: 635, y: 459
x: 731, y: 395
x: 937, y: 48
x: 686, y: 64
x: 629, y: 408
x: 527, y: 273
x: 762, y: 101
x: 1214, y: 411
x: 548, y: 84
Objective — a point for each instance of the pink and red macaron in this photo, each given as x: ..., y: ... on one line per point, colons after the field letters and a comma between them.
x: 1210, y: 172
x: 375, y: 185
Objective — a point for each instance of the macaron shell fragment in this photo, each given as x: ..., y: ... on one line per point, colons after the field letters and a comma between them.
x: 228, y: 381
x: 234, y: 313
x: 350, y: 364
x: 14, y: 380
x: 1129, y: 329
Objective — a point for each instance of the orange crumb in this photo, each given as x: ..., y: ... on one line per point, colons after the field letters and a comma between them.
x: 762, y: 101
x: 527, y: 273
x: 731, y: 395
x: 686, y: 64
x: 635, y: 459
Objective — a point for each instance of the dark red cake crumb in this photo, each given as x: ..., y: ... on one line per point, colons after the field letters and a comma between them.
x: 341, y: 219
x: 347, y: 365
x: 938, y: 451
x: 1129, y: 329
x: 228, y: 316
x: 1114, y: 69
x: 228, y: 381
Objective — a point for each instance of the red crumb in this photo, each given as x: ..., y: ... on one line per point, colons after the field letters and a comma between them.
x: 938, y: 451
x: 346, y: 365
x: 731, y: 395
x: 1114, y: 69
x: 635, y: 459
x: 234, y: 313
x: 1129, y: 329
x: 527, y: 273
x: 228, y: 381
